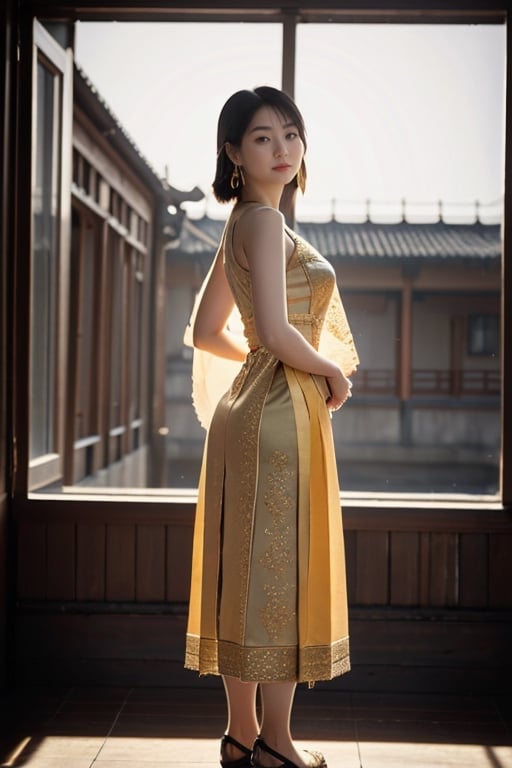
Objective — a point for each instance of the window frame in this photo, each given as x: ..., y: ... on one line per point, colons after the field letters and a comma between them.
x: 290, y: 14
x: 82, y: 442
x: 487, y: 348
x: 46, y: 466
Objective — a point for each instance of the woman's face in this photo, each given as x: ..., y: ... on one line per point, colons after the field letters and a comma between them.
x: 271, y: 151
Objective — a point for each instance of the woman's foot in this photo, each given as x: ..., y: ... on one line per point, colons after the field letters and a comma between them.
x: 264, y: 756
x: 233, y: 754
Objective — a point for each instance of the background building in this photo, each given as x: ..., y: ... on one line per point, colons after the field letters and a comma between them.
x: 424, y: 305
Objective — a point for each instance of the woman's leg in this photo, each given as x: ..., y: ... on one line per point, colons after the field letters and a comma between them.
x: 242, y: 718
x: 277, y: 701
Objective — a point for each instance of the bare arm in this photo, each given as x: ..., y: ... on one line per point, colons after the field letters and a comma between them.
x: 263, y: 238
x: 209, y: 331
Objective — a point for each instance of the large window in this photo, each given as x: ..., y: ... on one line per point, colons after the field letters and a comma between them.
x: 404, y: 130
x: 405, y: 124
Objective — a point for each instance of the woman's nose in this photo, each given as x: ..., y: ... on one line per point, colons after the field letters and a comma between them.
x: 280, y: 149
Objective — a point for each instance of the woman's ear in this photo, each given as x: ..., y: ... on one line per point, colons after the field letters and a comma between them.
x: 233, y: 153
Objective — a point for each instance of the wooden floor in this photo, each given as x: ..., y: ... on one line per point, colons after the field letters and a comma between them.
x: 171, y: 727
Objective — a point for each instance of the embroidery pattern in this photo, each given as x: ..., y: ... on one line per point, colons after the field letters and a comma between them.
x: 278, y: 559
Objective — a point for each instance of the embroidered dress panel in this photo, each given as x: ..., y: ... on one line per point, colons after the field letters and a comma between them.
x: 268, y: 597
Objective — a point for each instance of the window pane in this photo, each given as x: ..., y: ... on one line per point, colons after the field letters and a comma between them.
x: 45, y: 206
x: 399, y: 118
x: 483, y: 334
x: 135, y: 339
x: 83, y: 322
x: 116, y: 265
x: 182, y: 76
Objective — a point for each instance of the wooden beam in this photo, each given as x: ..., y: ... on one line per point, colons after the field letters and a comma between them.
x: 361, y: 512
x: 288, y: 200
x: 288, y: 56
x: 506, y: 297
x: 326, y: 11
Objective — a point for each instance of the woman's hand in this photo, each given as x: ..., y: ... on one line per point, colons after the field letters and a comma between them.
x: 339, y: 387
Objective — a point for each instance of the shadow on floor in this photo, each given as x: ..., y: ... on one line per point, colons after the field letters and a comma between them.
x: 164, y: 727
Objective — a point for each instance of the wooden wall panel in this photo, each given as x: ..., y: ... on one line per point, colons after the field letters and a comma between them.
x: 424, y: 569
x: 474, y: 570
x: 404, y: 580
x: 150, y: 563
x: 372, y: 568
x: 500, y: 571
x: 32, y: 561
x: 351, y: 564
x: 129, y: 562
x: 179, y: 546
x: 443, y: 570
x: 120, y: 563
x: 61, y: 570
x: 404, y: 568
x: 90, y: 561
x: 389, y: 652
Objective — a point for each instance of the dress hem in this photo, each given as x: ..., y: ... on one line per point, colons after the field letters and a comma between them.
x: 267, y: 664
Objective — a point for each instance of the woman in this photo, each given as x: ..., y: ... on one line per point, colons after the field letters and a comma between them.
x: 268, y: 599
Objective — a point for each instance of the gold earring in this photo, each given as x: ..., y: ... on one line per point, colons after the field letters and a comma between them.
x: 301, y: 181
x: 237, y: 178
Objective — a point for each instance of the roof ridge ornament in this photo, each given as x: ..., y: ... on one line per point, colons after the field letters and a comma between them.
x: 405, y: 204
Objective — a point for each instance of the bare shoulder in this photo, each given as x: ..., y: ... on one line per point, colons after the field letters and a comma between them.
x: 258, y: 220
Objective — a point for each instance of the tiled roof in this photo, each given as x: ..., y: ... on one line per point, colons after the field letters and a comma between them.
x: 369, y: 240
x: 399, y: 241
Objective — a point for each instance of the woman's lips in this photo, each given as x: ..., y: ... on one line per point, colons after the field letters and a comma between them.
x: 281, y: 167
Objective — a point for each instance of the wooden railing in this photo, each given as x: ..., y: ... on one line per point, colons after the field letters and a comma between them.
x: 376, y: 382
x: 430, y: 382
x: 456, y: 383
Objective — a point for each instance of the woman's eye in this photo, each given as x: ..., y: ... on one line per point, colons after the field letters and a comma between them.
x: 291, y: 135
x: 262, y: 139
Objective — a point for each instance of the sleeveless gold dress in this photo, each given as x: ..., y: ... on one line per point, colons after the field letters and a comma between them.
x: 268, y: 597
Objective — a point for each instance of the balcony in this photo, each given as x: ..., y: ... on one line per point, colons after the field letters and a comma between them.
x: 430, y: 383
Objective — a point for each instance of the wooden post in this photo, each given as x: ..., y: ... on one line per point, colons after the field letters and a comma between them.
x: 405, y: 362
x: 406, y: 340
x: 287, y: 203
x: 506, y: 297
x: 289, y: 45
x: 456, y: 355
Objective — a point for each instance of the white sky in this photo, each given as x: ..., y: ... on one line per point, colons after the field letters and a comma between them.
x: 391, y: 111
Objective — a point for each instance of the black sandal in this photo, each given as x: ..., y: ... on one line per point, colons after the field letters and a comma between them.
x: 240, y: 762
x: 260, y: 744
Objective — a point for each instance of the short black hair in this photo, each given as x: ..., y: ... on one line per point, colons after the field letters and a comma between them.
x: 235, y: 116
